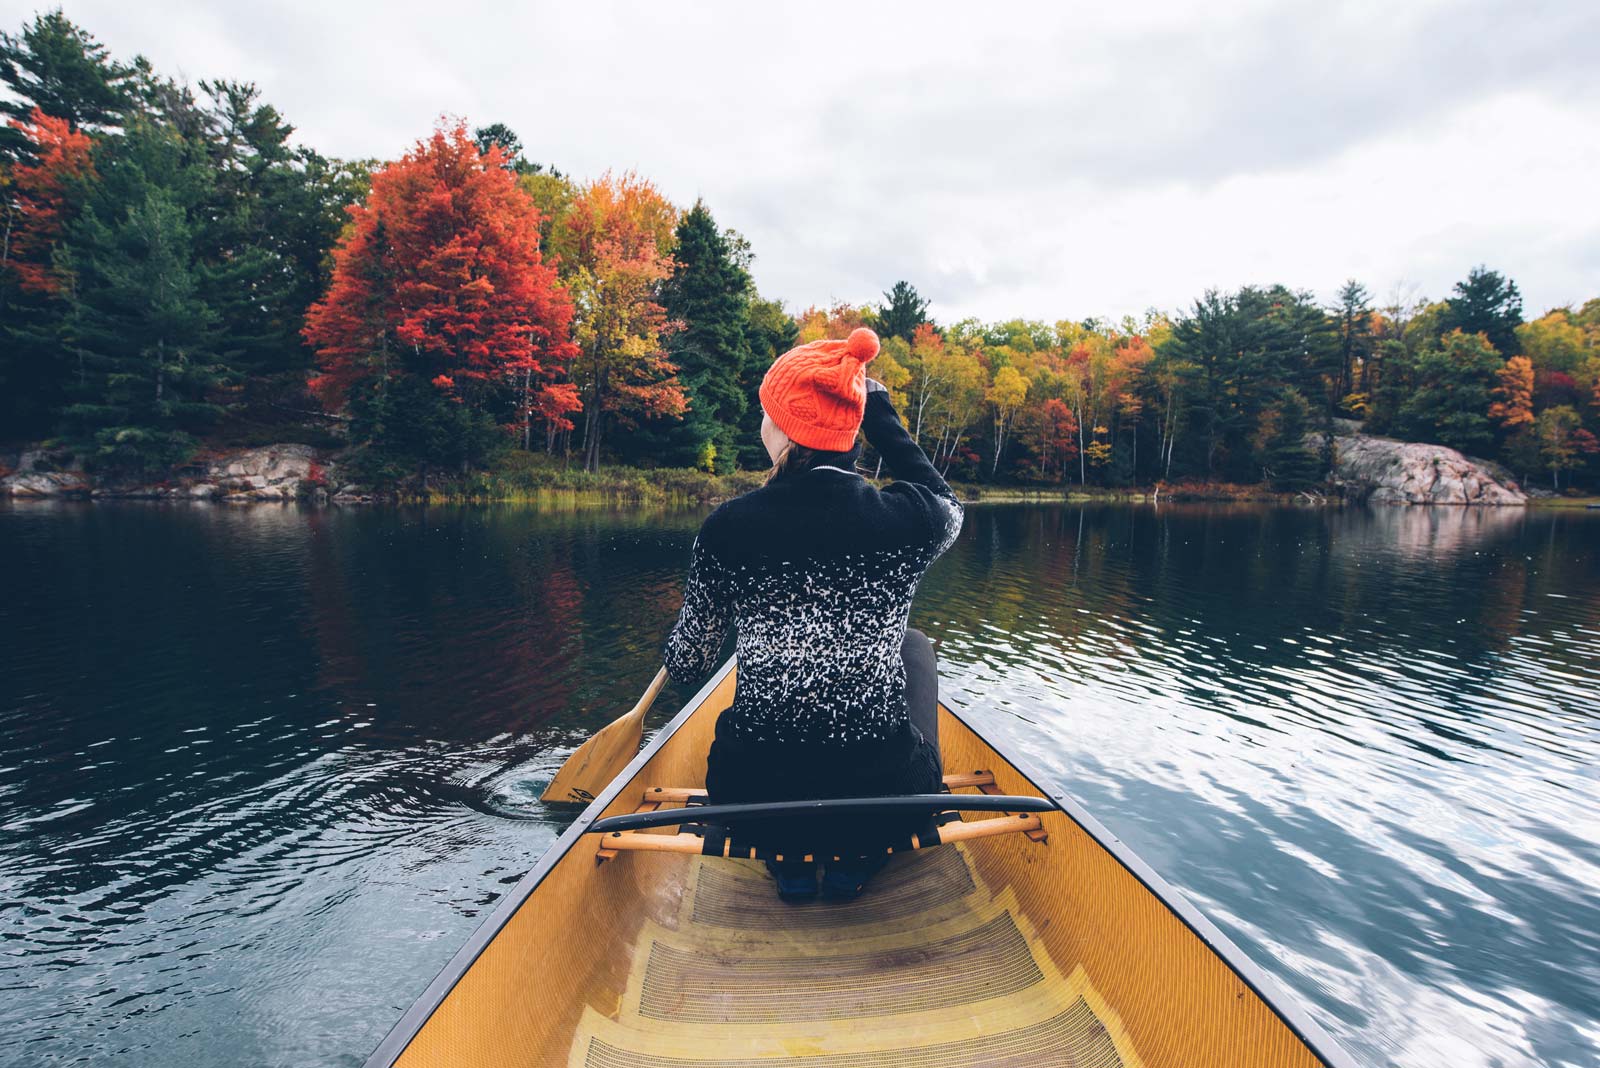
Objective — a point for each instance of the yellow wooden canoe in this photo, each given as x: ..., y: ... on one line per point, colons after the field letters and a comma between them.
x: 1024, y: 939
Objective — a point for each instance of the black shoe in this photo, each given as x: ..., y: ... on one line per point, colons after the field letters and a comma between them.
x: 845, y: 879
x: 797, y: 880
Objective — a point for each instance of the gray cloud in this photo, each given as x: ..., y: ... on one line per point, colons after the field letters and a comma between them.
x: 1041, y: 160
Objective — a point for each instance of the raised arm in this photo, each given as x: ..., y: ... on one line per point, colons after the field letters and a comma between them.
x: 902, y: 456
x: 692, y: 647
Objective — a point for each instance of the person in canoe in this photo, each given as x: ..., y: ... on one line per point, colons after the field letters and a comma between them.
x: 815, y: 571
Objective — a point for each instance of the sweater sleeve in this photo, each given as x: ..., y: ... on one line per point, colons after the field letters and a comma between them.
x: 903, y: 457
x: 692, y: 647
x: 909, y: 464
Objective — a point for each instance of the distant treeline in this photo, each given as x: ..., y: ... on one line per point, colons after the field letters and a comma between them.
x: 175, y: 273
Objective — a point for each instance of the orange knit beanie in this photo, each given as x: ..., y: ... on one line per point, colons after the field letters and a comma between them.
x: 817, y: 393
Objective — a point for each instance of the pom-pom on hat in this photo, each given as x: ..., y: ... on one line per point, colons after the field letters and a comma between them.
x: 817, y: 393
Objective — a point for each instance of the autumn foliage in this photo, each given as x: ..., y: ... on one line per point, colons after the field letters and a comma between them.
x: 160, y: 245
x: 1513, y: 397
x: 617, y: 237
x: 439, y: 275
x: 1050, y: 433
x: 40, y: 201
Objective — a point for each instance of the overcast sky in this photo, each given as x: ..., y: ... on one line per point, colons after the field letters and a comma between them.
x: 1047, y: 161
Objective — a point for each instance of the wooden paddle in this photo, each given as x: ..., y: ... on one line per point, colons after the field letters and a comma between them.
x: 606, y: 753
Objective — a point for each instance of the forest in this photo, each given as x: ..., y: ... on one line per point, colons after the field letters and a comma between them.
x: 178, y: 274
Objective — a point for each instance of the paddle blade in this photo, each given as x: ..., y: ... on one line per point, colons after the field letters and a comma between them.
x: 600, y: 759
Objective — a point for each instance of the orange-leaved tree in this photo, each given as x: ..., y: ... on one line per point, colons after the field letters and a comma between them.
x: 1513, y: 397
x: 1133, y: 353
x: 38, y: 207
x: 438, y: 278
x: 835, y: 322
x: 616, y: 244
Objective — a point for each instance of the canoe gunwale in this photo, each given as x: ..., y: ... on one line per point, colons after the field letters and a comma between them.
x: 1272, y: 993
x: 405, y: 1029
x: 1282, y: 1004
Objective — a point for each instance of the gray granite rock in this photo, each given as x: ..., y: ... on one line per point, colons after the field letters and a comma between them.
x: 1385, y: 471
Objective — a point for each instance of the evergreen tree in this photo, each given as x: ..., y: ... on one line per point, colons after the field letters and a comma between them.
x: 901, y: 313
x: 1353, y: 320
x: 1281, y: 450
x: 498, y: 134
x: 1486, y: 303
x: 1236, y: 353
x: 1201, y: 345
x: 1449, y: 402
x: 770, y: 332
x: 143, y: 337
x: 1392, y: 388
x: 709, y: 292
x: 405, y: 426
x: 44, y: 190
x: 61, y: 69
x: 501, y: 135
x: 273, y: 212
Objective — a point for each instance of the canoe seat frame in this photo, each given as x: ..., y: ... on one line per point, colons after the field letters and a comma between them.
x: 949, y: 827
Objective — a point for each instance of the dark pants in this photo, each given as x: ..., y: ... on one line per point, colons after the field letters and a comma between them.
x: 922, y: 686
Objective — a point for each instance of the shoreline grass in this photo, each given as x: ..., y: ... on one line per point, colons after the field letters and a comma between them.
x: 533, y: 479
x: 1564, y: 502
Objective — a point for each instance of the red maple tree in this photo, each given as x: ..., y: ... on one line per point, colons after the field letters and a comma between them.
x: 439, y: 274
x: 40, y: 203
x: 1050, y: 432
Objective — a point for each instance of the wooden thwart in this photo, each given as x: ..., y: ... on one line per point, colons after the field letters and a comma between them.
x: 645, y: 842
x: 990, y: 788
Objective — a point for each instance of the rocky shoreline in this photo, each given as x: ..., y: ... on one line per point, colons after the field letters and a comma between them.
x: 1385, y: 471
x: 1366, y: 469
x: 288, y: 472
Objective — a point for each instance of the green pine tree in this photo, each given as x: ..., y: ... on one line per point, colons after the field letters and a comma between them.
x: 1393, y: 386
x: 1287, y: 462
x: 1237, y: 352
x: 1487, y: 303
x: 61, y: 69
x: 1353, y: 318
x: 1449, y: 401
x: 272, y: 213
x: 142, y: 339
x: 901, y: 313
x: 770, y: 332
x: 710, y: 293
x: 54, y: 65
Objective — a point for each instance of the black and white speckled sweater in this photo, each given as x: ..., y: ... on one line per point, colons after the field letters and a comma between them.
x: 816, y: 572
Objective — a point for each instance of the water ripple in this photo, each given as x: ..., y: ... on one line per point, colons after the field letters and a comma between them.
x: 264, y: 769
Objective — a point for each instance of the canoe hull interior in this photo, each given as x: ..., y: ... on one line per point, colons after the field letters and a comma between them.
x: 998, y: 951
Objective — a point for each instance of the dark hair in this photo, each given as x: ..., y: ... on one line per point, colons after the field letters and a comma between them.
x: 794, y: 459
x: 797, y: 458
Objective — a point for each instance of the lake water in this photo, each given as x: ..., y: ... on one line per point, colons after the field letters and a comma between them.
x: 262, y: 770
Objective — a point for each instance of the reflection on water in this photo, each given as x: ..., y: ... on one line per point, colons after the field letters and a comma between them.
x: 264, y: 769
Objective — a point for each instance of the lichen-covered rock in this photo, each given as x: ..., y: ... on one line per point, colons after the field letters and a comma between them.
x: 269, y: 473
x: 269, y: 465
x: 46, y: 484
x: 1385, y: 471
x: 38, y: 474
